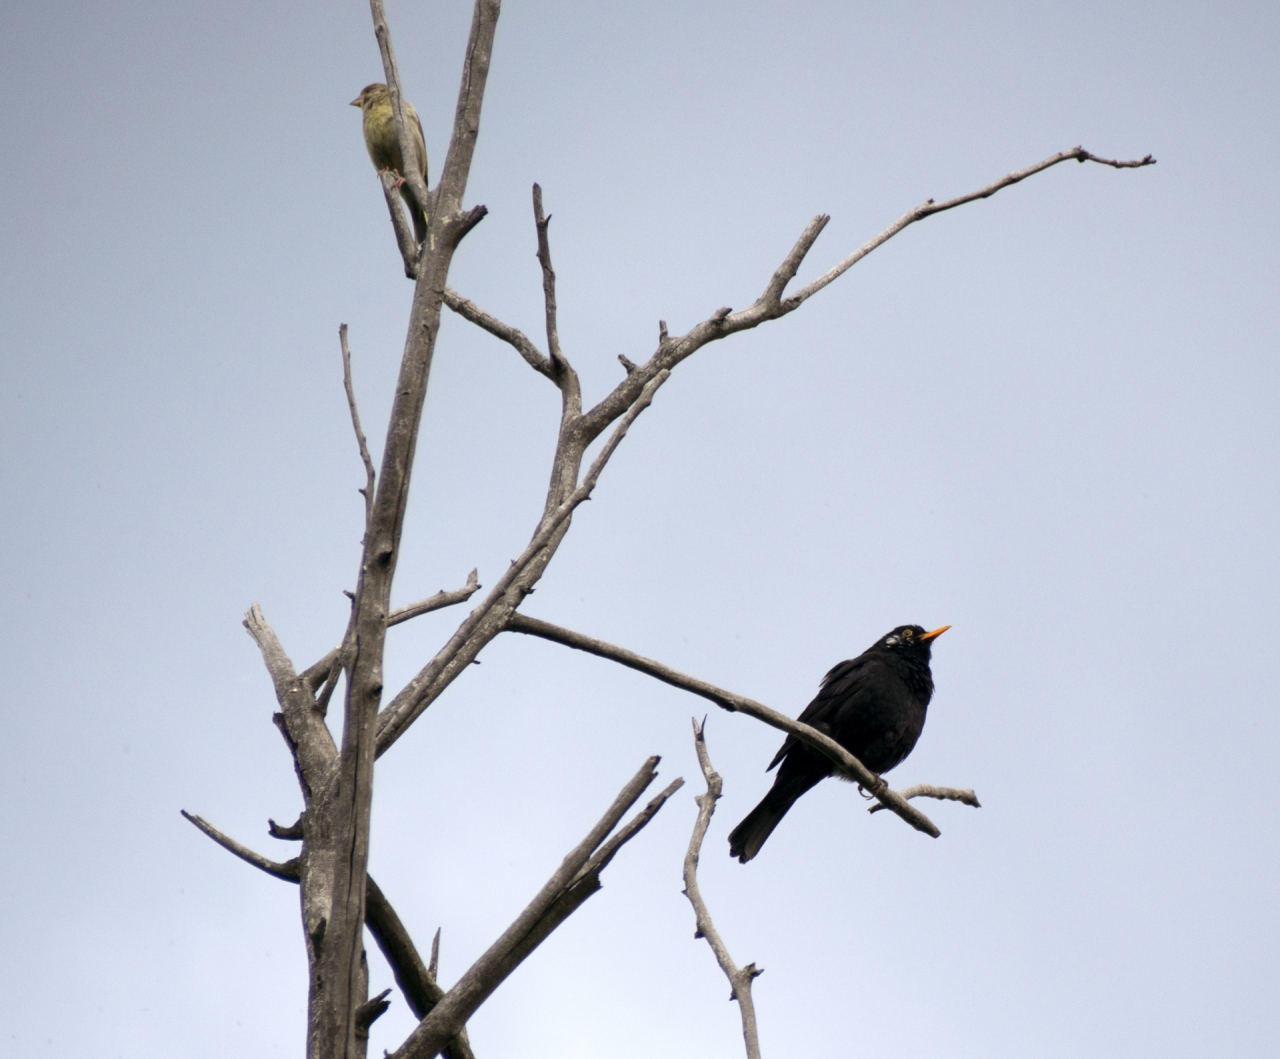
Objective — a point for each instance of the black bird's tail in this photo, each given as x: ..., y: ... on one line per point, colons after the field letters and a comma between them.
x: 746, y: 839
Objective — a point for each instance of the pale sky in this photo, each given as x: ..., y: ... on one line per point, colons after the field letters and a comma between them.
x: 1047, y: 419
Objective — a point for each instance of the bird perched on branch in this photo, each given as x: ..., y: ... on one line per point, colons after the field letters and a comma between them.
x: 873, y: 706
x: 383, y: 143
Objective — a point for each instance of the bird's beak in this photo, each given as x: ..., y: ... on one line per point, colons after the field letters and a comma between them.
x: 936, y: 632
x: 355, y: 102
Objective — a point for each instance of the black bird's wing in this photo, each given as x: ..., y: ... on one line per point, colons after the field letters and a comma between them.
x: 838, y: 688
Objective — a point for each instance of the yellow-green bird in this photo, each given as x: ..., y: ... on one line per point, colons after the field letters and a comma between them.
x: 383, y: 143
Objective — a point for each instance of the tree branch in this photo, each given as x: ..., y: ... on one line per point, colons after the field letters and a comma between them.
x: 543, y: 222
x: 367, y: 491
x: 463, y: 646
x: 926, y: 790
x: 771, y: 305
x: 585, y: 883
x: 928, y: 208
x: 405, y: 241
x: 370, y: 1011
x: 273, y: 653
x: 739, y: 978
x: 299, y: 720
x: 287, y: 871
x: 847, y: 763
x: 514, y: 337
x: 466, y: 121
x: 571, y: 884
x: 440, y: 600
x: 417, y: 981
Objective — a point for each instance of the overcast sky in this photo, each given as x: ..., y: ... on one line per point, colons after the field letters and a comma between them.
x: 1047, y: 419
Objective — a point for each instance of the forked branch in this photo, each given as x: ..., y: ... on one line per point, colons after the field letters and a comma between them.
x: 572, y: 883
x: 740, y: 978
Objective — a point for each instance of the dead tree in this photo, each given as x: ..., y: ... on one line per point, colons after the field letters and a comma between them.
x: 338, y: 899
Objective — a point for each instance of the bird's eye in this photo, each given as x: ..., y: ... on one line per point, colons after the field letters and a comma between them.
x: 907, y: 633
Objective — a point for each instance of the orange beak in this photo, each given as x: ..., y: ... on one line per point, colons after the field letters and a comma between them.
x: 936, y: 632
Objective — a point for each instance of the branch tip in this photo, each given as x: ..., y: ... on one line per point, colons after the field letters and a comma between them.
x: 739, y: 979
x: 369, y: 1012
x: 288, y: 871
x: 292, y: 833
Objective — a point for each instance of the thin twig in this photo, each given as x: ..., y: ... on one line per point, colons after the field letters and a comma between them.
x: 928, y: 208
x: 288, y: 870
x: 739, y: 978
x: 569, y: 886
x: 433, y: 968
x: 367, y: 491
x: 786, y: 272
x: 543, y: 222
x: 847, y: 763
x: 326, y: 669
x: 415, y: 697
x: 513, y: 336
x: 927, y: 790
x: 441, y: 599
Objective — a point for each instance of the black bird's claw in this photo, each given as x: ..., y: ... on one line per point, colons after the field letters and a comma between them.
x: 880, y: 787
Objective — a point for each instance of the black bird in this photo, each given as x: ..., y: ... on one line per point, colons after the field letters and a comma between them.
x: 873, y: 706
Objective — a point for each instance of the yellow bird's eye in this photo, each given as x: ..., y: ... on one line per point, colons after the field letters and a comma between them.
x: 907, y: 632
